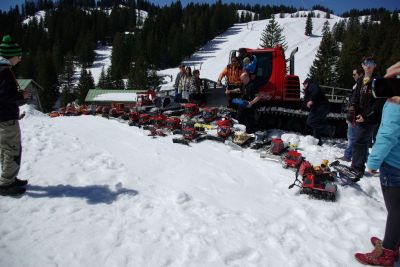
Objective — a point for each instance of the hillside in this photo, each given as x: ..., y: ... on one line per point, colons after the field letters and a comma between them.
x: 214, y: 56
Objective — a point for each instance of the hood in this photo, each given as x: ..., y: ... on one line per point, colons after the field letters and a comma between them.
x: 4, y: 61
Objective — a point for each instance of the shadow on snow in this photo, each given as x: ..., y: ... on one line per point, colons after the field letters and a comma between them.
x: 94, y: 194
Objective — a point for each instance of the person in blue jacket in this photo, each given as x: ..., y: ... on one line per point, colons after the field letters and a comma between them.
x: 385, y: 156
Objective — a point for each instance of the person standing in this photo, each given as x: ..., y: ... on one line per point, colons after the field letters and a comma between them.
x: 318, y: 104
x: 358, y: 75
x: 249, y: 95
x: 368, y: 112
x: 232, y: 72
x: 181, y: 72
x: 385, y: 156
x: 10, y: 133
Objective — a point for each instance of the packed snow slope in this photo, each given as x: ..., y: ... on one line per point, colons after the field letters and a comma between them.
x: 102, y: 193
x: 214, y: 56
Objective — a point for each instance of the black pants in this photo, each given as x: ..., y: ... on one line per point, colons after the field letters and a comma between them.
x: 391, y: 195
x: 362, y: 140
x: 317, y: 121
x: 246, y: 116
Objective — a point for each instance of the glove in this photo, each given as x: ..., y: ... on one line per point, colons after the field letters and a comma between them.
x: 240, y: 102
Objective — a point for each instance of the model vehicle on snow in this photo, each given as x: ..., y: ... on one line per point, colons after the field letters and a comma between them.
x: 315, y: 184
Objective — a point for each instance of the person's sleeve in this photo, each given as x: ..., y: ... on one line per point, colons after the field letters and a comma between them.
x: 315, y: 90
x: 374, y: 114
x: 8, y: 88
x: 251, y: 67
x: 387, y: 138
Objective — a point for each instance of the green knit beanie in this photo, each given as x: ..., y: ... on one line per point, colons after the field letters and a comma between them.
x: 8, y: 48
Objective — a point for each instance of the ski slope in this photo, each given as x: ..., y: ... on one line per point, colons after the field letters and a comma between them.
x: 102, y: 193
x: 213, y: 57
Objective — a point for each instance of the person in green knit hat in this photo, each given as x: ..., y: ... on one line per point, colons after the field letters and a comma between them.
x: 10, y: 133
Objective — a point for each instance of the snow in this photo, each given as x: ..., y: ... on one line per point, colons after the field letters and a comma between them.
x: 39, y: 15
x: 102, y: 193
x: 213, y: 57
x: 116, y: 97
x: 102, y: 60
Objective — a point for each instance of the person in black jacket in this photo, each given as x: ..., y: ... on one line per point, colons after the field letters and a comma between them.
x: 249, y: 96
x: 316, y: 101
x: 10, y: 133
x: 368, y: 112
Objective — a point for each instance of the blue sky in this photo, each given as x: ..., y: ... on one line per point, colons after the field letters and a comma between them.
x: 338, y: 6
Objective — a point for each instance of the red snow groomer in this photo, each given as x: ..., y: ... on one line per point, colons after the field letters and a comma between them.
x: 191, y: 110
x: 224, y: 128
x: 188, y: 132
x: 173, y: 123
x: 277, y: 146
x: 292, y: 159
x: 158, y: 121
x: 145, y: 99
x: 315, y: 184
x: 134, y: 118
x: 209, y: 114
x: 144, y: 119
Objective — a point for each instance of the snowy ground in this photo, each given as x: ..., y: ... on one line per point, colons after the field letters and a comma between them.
x: 102, y: 193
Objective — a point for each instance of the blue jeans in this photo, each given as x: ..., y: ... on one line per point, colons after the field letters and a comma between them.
x: 351, y: 134
x: 389, y: 175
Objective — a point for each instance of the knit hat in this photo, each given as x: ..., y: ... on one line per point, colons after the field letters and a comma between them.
x: 8, y: 48
x: 246, y: 60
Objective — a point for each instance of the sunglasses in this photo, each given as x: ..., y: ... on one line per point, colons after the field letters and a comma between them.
x: 368, y: 63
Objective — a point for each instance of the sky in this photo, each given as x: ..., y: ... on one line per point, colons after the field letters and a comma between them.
x: 338, y: 6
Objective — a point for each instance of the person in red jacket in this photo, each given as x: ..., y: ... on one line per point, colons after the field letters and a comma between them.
x: 10, y: 133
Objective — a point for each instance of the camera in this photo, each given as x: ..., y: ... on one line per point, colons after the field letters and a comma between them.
x: 385, y: 88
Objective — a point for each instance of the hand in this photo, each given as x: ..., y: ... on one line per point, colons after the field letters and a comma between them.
x: 395, y: 99
x: 372, y: 171
x: 249, y: 105
x: 309, y: 104
x: 393, y: 70
x: 218, y: 83
x: 359, y: 118
x: 227, y: 92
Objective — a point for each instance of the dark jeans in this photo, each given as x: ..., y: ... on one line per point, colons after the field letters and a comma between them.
x: 390, y: 182
x: 316, y: 120
x: 246, y: 117
x: 361, y: 144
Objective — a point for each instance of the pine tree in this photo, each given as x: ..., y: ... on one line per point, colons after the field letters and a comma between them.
x: 324, y: 68
x: 272, y: 35
x: 86, y: 83
x: 350, y: 53
x: 309, y: 25
x: 47, y: 78
x: 102, y: 83
x: 137, y: 78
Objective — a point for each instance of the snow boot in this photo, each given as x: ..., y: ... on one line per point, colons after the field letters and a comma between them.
x: 380, y: 256
x: 375, y: 240
x: 12, y: 191
x: 19, y: 182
